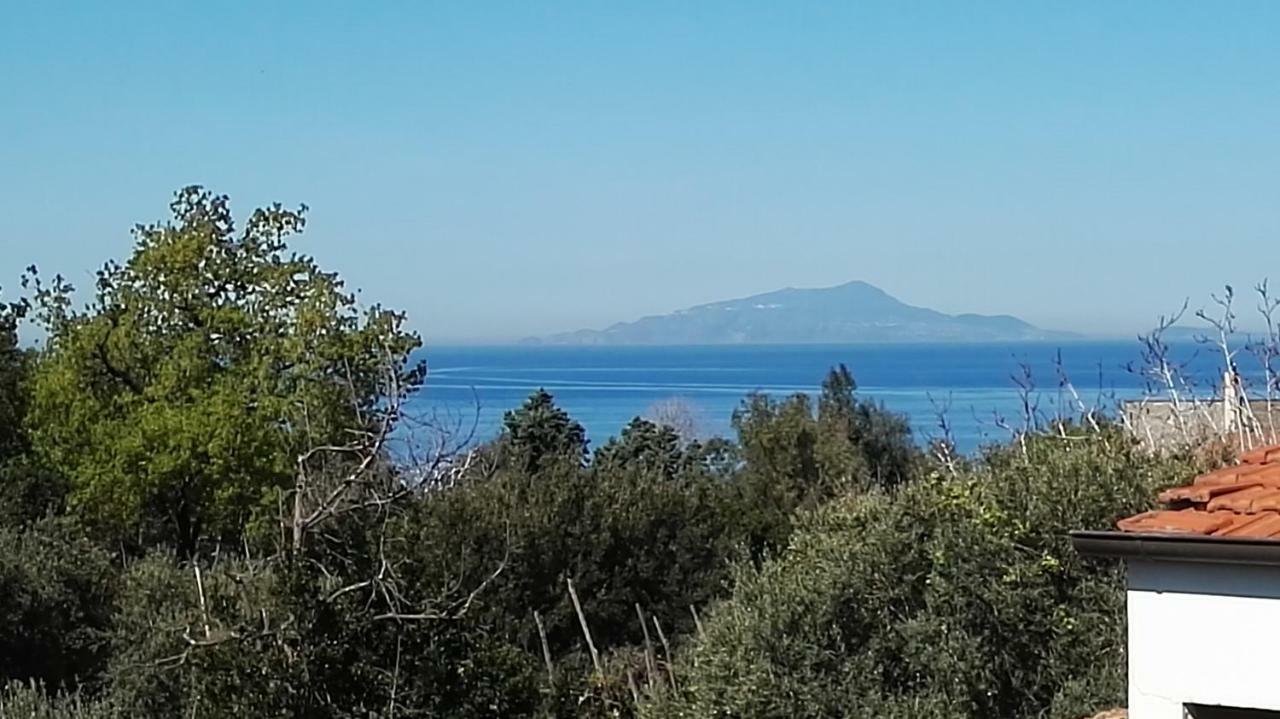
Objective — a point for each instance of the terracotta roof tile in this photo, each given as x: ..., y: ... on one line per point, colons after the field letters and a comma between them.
x: 1266, y: 524
x: 1262, y: 455
x: 1177, y: 521
x: 1242, y: 500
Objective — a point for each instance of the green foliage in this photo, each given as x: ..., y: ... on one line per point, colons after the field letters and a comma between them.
x: 658, y: 451
x: 28, y: 489
x: 623, y: 537
x: 29, y: 492
x: 56, y: 591
x: 786, y: 467
x: 215, y: 376
x: 275, y: 641
x: 177, y: 401
x: 539, y: 433
x: 644, y: 447
x: 956, y: 597
x: 882, y: 438
x: 797, y: 458
x: 14, y: 364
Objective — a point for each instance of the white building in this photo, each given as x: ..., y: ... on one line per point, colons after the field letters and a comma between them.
x: 1204, y: 595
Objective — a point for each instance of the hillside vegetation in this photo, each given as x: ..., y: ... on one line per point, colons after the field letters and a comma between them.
x: 214, y: 503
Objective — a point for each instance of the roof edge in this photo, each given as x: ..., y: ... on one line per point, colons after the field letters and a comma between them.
x: 1177, y: 548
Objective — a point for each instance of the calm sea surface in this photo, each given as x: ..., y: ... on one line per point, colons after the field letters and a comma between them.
x: 605, y: 387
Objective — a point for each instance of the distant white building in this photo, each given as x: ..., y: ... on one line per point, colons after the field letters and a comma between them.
x: 1204, y: 595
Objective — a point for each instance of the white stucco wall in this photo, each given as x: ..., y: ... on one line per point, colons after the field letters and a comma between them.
x: 1202, y: 634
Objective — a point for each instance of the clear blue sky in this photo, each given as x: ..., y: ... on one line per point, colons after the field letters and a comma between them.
x: 503, y: 169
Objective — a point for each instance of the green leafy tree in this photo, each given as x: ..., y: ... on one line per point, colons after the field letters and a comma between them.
x: 643, y: 446
x: 178, y: 401
x: 538, y: 433
x: 659, y: 451
x: 796, y: 456
x: 881, y: 437
x: 792, y: 459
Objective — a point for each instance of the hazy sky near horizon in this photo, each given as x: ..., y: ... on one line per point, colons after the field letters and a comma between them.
x: 501, y: 169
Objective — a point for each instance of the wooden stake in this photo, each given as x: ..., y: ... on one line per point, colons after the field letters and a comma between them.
x: 648, y: 647
x: 696, y: 621
x: 586, y: 631
x: 546, y: 648
x: 204, y: 611
x: 395, y: 680
x: 666, y: 648
x: 631, y: 684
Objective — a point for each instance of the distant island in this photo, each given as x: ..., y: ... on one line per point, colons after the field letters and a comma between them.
x: 855, y: 312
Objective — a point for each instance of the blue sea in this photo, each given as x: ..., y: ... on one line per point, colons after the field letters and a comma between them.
x: 605, y: 387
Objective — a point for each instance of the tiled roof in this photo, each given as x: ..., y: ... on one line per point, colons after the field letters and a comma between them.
x: 1241, y: 501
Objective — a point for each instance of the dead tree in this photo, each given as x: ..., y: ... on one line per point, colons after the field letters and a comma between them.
x: 677, y: 413
x: 1237, y: 413
x: 1267, y: 351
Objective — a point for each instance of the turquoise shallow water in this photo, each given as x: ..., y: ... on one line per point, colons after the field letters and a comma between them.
x: 604, y: 387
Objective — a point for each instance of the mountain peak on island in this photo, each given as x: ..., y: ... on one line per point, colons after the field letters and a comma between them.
x: 854, y: 312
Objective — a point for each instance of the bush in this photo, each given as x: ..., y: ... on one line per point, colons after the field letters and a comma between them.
x: 56, y: 592
x: 29, y: 492
x: 959, y: 596
x: 625, y: 536
x: 275, y: 641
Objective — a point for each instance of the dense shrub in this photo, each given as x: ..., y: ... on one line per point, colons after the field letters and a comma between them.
x: 56, y: 592
x: 624, y: 536
x: 957, y: 597
x: 275, y: 641
x: 29, y: 492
